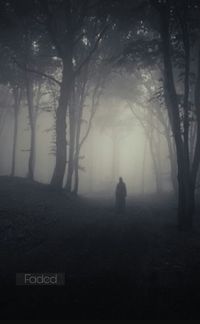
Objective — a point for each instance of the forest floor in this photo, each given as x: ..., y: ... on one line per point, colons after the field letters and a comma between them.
x: 132, y: 266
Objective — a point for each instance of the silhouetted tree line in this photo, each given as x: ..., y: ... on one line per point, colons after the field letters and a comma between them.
x: 67, y: 49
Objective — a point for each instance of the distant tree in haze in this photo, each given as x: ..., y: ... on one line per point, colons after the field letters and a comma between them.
x: 11, y: 78
x: 116, y: 126
x: 6, y: 105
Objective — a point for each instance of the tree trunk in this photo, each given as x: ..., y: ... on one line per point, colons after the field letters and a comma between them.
x: 77, y: 149
x: 61, y: 149
x: 71, y: 148
x: 76, y: 177
x: 173, y: 163
x: 32, y: 156
x: 76, y: 174
x: 155, y: 162
x: 17, y: 99
x: 14, y: 144
x: 186, y: 198
x: 91, y: 167
x: 29, y: 92
x: 143, y: 166
x: 76, y: 158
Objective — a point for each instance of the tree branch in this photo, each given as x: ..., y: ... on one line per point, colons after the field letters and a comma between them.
x: 38, y: 73
x: 87, y: 59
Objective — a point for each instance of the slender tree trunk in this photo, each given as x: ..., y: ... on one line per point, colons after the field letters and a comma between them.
x: 173, y: 163
x: 17, y: 99
x: 14, y: 145
x: 91, y: 167
x: 29, y: 92
x: 143, y: 165
x: 77, y: 151
x: 155, y: 164
x: 61, y: 145
x: 71, y: 158
x: 171, y: 149
x: 76, y: 177
x: 81, y: 94
x: 76, y: 163
x: 186, y: 202
x: 32, y: 156
x: 78, y: 122
x: 71, y: 148
x: 192, y: 139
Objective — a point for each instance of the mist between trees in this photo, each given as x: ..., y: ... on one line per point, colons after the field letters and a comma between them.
x: 94, y: 90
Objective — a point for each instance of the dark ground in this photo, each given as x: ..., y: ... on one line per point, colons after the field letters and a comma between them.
x: 132, y: 266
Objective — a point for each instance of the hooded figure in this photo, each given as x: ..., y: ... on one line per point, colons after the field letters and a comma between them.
x: 120, y: 195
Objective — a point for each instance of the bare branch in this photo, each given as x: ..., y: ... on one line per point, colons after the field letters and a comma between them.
x: 140, y: 119
x: 87, y: 59
x: 37, y: 72
x: 95, y: 102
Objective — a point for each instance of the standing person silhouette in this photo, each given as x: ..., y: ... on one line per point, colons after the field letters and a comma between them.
x: 120, y: 195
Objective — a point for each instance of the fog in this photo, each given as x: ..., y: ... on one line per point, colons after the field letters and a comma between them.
x: 100, y: 158
x: 116, y: 146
